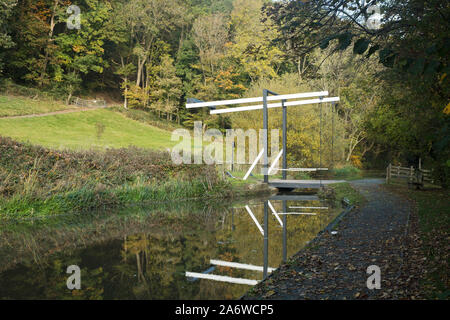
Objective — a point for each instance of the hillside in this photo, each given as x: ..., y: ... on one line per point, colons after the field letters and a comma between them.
x: 96, y: 129
x: 18, y: 106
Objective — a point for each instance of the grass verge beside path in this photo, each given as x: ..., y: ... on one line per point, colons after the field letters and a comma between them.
x: 345, y: 190
x: 433, y: 211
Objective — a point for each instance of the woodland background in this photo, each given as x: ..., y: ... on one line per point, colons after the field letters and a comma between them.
x: 154, y: 54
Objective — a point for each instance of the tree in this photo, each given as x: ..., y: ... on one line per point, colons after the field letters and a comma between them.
x: 125, y: 71
x: 168, y: 86
x: 32, y: 23
x: 210, y: 35
x: 412, y: 43
x: 6, y: 9
x: 71, y: 84
x: 146, y: 21
x: 252, y: 46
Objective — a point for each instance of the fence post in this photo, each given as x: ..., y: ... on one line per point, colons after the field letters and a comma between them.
x: 387, y: 173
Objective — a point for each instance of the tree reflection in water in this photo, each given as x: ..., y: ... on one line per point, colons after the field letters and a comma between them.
x: 144, y: 253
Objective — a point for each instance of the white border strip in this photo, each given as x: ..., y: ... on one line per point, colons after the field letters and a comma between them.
x: 239, y: 265
x: 276, y: 105
x: 221, y: 278
x: 257, y: 99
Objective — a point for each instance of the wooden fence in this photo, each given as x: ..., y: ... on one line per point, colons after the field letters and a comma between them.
x: 412, y: 174
x: 88, y: 103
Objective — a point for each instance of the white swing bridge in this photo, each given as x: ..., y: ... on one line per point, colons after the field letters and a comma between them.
x: 296, y: 99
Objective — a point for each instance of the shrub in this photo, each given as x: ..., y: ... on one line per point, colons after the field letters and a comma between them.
x: 40, y: 172
x: 346, y: 171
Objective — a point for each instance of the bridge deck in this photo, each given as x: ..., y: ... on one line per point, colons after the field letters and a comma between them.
x: 301, y: 184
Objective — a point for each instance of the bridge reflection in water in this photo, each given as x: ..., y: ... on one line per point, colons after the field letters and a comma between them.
x: 263, y: 228
x: 186, y: 250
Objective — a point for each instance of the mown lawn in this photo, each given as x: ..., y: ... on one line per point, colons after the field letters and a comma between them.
x: 96, y: 129
x: 18, y: 106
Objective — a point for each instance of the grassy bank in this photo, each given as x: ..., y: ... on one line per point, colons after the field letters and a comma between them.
x: 96, y: 129
x: 345, y: 190
x: 433, y: 210
x: 39, y: 181
x: 19, y: 106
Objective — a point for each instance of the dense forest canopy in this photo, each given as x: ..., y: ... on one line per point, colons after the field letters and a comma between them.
x: 390, y: 70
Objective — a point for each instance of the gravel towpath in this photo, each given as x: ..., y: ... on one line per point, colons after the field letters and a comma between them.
x: 335, y: 266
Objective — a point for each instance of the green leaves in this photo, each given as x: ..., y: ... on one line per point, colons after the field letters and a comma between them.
x: 417, y: 66
x: 372, y: 50
x: 345, y: 40
x: 326, y: 42
x: 387, y: 57
x: 361, y: 46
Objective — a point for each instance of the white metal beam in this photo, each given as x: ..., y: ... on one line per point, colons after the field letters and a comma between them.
x: 257, y: 99
x: 254, y: 164
x: 319, y: 208
x: 239, y: 265
x: 298, y: 213
x: 255, y: 220
x: 221, y: 278
x: 275, y: 161
x: 274, y: 212
x: 276, y: 105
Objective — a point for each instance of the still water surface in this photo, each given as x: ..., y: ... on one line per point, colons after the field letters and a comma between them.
x: 186, y: 250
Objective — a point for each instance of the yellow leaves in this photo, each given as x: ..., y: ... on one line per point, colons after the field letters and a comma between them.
x: 78, y: 48
x: 447, y: 109
x: 269, y: 293
x: 356, y: 161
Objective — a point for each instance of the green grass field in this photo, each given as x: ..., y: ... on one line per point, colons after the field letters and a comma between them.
x: 96, y: 129
x: 18, y: 106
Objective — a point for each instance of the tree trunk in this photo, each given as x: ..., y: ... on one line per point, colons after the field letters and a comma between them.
x: 50, y: 39
x: 69, y: 97
x: 125, y: 101
x: 139, y: 72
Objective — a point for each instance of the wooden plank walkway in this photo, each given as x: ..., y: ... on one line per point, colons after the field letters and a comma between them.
x: 301, y: 184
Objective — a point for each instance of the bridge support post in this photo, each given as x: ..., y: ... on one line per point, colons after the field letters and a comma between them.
x: 266, y: 239
x: 284, y: 232
x: 266, y: 136
x: 284, y: 173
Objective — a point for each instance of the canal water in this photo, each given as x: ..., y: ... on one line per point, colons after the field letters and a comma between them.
x: 185, y: 250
